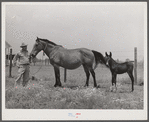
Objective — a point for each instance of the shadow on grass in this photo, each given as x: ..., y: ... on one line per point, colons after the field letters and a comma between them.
x: 73, y: 87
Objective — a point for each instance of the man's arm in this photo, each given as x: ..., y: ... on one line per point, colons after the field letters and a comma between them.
x: 15, y: 59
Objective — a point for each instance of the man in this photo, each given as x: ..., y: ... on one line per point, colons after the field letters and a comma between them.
x: 22, y: 60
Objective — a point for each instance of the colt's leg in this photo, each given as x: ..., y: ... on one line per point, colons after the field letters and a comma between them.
x: 112, y: 79
x: 132, y: 79
x: 57, y: 76
x: 87, y: 75
x: 111, y: 87
x: 115, y: 80
x: 93, y: 74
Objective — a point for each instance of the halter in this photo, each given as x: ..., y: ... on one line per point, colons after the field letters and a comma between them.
x: 108, y: 61
x: 45, y: 47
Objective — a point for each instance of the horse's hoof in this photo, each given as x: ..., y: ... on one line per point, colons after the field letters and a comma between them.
x: 60, y: 85
x: 57, y: 85
x: 111, y: 89
x: 85, y: 85
x: 114, y: 90
x: 98, y: 86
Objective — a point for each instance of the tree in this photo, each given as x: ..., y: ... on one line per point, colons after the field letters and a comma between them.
x: 127, y: 60
x: 118, y: 60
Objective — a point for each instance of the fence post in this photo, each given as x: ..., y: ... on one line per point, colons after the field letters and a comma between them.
x: 10, y: 66
x: 48, y: 61
x: 135, y: 66
x: 65, y: 75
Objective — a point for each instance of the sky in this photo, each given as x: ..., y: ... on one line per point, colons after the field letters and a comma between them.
x: 103, y: 27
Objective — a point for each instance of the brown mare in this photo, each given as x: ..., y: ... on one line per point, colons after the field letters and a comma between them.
x: 119, y: 68
x: 68, y: 58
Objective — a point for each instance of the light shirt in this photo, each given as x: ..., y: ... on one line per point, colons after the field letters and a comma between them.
x: 22, y: 57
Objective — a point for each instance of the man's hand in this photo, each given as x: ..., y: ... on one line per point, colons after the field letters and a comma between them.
x: 30, y: 58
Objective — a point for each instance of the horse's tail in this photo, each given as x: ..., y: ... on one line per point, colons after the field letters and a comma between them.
x: 99, y: 58
x: 131, y: 62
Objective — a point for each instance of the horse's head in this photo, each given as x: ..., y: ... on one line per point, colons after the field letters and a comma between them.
x: 107, y: 58
x: 38, y: 46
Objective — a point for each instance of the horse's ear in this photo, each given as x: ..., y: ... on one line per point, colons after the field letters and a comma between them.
x: 37, y: 40
x: 110, y: 54
x: 106, y: 53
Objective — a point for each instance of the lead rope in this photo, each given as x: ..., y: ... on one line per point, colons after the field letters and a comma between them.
x: 33, y: 74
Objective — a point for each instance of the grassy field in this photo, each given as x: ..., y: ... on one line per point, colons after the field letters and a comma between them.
x: 41, y: 94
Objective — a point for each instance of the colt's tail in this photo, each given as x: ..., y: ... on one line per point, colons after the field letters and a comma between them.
x: 130, y: 62
x: 99, y: 58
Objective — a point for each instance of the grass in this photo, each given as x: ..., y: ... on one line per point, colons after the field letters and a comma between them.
x: 40, y: 93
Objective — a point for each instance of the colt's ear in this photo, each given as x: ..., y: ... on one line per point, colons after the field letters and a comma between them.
x: 106, y: 54
x: 110, y: 54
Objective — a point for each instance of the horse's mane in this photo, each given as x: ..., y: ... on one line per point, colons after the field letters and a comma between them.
x: 46, y: 40
x: 114, y: 60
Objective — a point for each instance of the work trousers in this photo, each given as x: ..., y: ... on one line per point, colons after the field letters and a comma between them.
x: 23, y: 71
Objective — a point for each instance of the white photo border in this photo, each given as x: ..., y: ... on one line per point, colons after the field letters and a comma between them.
x: 58, y: 114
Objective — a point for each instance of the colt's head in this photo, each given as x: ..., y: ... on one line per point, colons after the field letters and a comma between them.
x: 107, y: 58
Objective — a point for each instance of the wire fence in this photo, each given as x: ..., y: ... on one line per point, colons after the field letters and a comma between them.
x: 128, y: 54
x: 119, y: 56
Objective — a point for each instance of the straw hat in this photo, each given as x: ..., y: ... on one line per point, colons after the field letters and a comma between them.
x: 23, y: 45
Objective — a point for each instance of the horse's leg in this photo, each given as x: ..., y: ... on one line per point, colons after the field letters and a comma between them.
x: 87, y: 75
x: 57, y: 76
x: 93, y: 74
x: 132, y: 79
